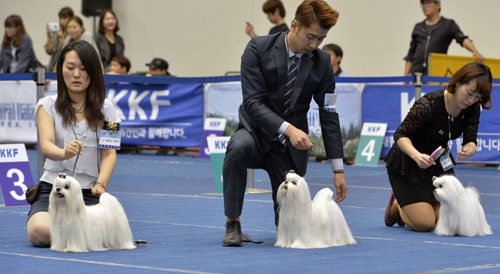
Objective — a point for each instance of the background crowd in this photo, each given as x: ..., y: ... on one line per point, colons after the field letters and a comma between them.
x: 107, y: 40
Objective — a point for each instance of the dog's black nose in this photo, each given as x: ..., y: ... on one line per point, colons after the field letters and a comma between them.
x: 62, y: 175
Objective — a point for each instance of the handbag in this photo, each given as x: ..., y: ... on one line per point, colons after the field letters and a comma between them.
x: 32, y: 193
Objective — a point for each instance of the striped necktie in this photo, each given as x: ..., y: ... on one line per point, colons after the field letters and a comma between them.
x: 292, y: 74
x: 287, y: 97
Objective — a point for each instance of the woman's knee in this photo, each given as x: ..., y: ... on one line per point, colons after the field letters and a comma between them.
x: 39, y: 231
x: 423, y: 226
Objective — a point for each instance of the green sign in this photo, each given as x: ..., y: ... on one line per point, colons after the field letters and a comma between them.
x: 217, y: 148
x: 370, y: 144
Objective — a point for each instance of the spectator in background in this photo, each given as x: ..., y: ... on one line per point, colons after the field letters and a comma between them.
x: 434, y: 34
x: 76, y: 32
x: 158, y: 67
x: 56, y: 39
x: 108, y: 42
x: 275, y: 13
x: 336, y: 55
x: 17, y: 55
x: 120, y: 65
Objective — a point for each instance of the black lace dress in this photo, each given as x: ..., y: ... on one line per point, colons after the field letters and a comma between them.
x: 427, y: 124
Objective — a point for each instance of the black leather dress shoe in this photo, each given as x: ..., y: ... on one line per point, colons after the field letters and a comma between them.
x: 233, y: 234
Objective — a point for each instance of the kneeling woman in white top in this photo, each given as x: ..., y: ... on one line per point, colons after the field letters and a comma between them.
x: 68, y: 123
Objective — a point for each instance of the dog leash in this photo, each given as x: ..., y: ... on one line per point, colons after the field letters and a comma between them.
x: 76, y: 161
x: 80, y: 149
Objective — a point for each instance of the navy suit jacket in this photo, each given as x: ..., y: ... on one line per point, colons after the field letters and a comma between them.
x: 264, y: 67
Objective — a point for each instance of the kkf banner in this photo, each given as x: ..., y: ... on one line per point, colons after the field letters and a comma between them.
x: 159, y: 115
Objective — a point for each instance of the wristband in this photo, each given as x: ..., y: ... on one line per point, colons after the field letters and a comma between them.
x: 338, y: 171
x: 99, y: 184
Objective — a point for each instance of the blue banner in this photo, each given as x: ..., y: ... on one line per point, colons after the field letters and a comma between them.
x: 159, y: 115
x: 390, y: 104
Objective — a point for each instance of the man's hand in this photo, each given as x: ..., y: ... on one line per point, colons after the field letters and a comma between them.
x: 298, y: 138
x: 340, y: 187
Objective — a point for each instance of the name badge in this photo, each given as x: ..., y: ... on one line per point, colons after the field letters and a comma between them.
x: 109, y: 139
x: 446, y: 162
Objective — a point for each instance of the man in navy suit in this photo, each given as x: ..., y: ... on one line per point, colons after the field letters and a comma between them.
x: 280, y: 74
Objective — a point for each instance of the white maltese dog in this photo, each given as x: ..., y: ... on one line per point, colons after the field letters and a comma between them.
x: 461, y: 212
x: 76, y: 227
x: 306, y: 224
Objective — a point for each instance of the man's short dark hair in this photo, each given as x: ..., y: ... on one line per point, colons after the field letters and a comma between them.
x: 123, y: 61
x: 335, y: 48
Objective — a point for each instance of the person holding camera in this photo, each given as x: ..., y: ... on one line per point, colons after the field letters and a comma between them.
x: 56, y: 34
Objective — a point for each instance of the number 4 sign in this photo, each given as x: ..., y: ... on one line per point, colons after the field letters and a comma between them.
x: 15, y: 174
x: 370, y: 144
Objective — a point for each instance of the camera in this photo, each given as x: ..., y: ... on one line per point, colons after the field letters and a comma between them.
x: 54, y: 27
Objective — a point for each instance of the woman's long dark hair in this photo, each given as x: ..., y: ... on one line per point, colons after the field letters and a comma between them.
x: 17, y: 22
x: 96, y: 91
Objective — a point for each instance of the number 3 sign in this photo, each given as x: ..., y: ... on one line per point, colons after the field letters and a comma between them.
x: 15, y: 174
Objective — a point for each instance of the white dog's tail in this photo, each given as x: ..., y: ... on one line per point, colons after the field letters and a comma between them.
x: 120, y: 236
x: 480, y: 225
x: 330, y: 218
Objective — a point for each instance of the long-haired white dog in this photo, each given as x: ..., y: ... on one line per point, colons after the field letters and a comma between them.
x: 76, y: 227
x: 306, y: 224
x: 461, y: 212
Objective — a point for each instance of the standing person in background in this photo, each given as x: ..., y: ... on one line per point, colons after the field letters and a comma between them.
x: 76, y: 32
x: 336, y: 55
x: 275, y: 13
x: 120, y: 65
x: 434, y: 34
x: 68, y: 123
x: 433, y: 121
x: 280, y: 75
x: 108, y: 42
x: 17, y: 55
x: 56, y: 39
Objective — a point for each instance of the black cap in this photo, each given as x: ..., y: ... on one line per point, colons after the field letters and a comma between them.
x: 158, y: 63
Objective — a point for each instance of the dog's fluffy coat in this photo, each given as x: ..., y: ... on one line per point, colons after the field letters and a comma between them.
x: 76, y: 227
x: 306, y: 224
x: 460, y: 212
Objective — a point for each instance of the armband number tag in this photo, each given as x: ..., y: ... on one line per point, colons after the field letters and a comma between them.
x: 109, y: 139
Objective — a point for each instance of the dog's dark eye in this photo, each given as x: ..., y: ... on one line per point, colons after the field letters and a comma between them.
x: 295, y: 183
x: 66, y: 187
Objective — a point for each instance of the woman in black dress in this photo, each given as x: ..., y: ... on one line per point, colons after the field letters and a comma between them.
x: 433, y: 121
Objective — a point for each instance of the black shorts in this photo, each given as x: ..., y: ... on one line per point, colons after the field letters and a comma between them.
x: 42, y: 201
x: 409, y: 193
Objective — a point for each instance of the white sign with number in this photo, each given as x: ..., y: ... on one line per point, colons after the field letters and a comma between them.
x: 15, y: 174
